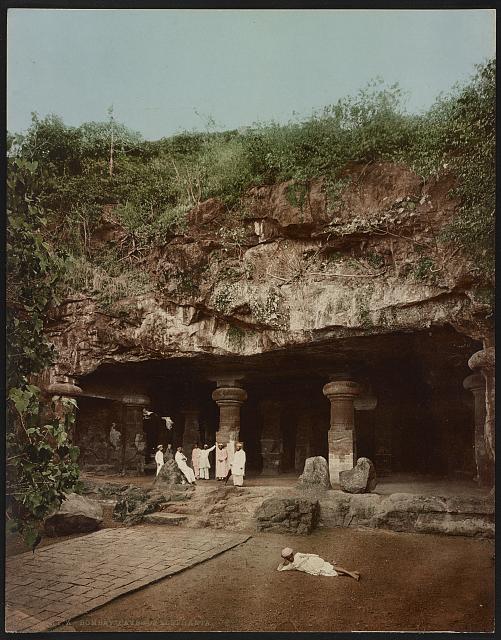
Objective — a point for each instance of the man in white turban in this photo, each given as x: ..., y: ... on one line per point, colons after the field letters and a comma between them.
x: 159, y: 458
x: 203, y: 461
x: 221, y: 461
x: 187, y: 471
x: 238, y: 465
x: 313, y: 564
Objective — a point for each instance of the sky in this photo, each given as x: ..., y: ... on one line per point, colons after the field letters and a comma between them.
x: 166, y: 71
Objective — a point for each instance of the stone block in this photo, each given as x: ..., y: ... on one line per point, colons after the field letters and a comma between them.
x: 169, y: 475
x: 287, y: 515
x: 315, y: 474
x: 360, y: 479
x: 77, y: 514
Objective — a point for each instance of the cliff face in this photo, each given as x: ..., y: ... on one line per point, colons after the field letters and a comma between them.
x: 289, y: 269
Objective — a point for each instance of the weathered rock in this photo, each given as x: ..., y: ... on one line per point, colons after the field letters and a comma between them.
x: 288, y: 515
x: 77, y: 514
x: 135, y: 503
x: 409, y: 512
x: 110, y: 490
x: 169, y: 475
x: 315, y: 474
x: 360, y: 479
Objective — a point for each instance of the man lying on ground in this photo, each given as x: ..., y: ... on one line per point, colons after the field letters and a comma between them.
x: 311, y: 563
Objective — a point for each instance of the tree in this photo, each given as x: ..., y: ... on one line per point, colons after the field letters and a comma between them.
x: 41, y: 460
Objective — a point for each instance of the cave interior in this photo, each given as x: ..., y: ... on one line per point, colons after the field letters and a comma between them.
x: 422, y: 421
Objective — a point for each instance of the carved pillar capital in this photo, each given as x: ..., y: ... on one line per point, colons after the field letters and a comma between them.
x: 485, y: 360
x: 341, y: 389
x: 474, y: 382
x: 225, y: 396
x: 64, y: 386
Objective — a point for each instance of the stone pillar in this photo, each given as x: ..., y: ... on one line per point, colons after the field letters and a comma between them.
x: 191, y: 433
x: 484, y: 360
x: 476, y: 384
x: 342, y: 454
x: 65, y: 386
x: 229, y: 398
x: 303, y: 437
x: 271, y: 437
x: 132, y: 421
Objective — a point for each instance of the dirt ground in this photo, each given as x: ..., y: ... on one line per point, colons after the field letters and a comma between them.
x: 409, y: 582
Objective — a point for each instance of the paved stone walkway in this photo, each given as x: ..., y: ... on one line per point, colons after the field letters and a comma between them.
x: 65, y: 580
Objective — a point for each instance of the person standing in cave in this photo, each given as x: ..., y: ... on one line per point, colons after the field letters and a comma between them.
x: 195, y: 460
x: 159, y: 458
x: 221, y: 461
x: 238, y: 465
x: 204, y: 461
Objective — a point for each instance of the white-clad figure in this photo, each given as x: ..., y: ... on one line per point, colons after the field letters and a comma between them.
x: 159, y: 458
x: 313, y: 564
x: 115, y: 436
x: 238, y: 465
x: 187, y: 471
x: 168, y: 422
x: 203, y: 462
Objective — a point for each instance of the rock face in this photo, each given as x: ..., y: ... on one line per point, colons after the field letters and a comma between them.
x: 360, y: 479
x: 134, y: 503
x: 77, y: 514
x: 411, y: 513
x: 288, y: 515
x: 169, y: 475
x: 315, y: 474
x: 355, y: 270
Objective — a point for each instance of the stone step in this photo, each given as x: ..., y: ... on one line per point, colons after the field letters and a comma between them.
x: 164, y: 518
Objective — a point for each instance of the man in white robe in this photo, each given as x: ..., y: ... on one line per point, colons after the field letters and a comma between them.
x: 195, y: 460
x: 159, y: 458
x: 187, y: 471
x: 313, y: 564
x: 238, y: 465
x: 221, y: 461
x: 203, y: 461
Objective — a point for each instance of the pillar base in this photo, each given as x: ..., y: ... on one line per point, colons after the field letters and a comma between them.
x: 341, y: 455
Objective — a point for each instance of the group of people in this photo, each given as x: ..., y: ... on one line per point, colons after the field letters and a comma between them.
x: 230, y: 461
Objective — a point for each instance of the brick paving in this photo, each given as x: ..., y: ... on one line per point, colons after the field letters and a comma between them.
x: 62, y: 581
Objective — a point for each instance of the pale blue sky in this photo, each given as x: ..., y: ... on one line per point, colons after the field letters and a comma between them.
x: 157, y: 67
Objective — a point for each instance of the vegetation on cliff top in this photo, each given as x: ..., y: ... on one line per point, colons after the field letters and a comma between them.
x: 150, y: 186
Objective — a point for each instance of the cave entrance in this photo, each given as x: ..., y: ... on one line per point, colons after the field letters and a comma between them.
x: 414, y: 416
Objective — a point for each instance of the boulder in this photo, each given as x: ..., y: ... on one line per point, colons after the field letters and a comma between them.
x: 360, y: 479
x: 169, y: 475
x: 134, y: 503
x: 315, y: 474
x: 77, y: 514
x: 288, y: 515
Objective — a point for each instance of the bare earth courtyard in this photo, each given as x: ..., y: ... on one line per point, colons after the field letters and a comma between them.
x: 409, y: 582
